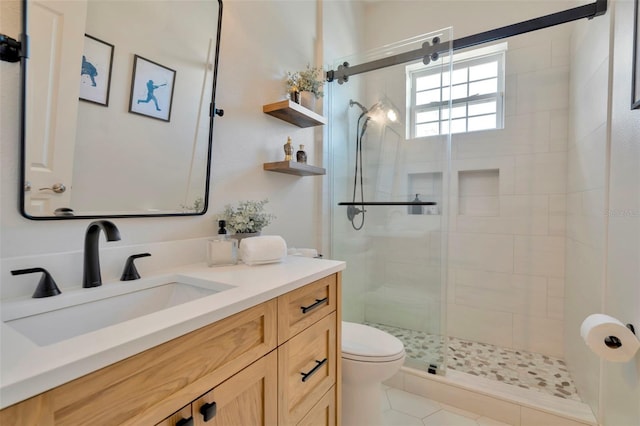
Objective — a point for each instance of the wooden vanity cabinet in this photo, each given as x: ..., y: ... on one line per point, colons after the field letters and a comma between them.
x: 247, y: 398
x: 148, y: 387
x: 274, y: 363
x: 308, y: 351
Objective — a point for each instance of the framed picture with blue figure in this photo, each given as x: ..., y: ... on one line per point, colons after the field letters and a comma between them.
x: 95, y: 72
x: 151, y: 89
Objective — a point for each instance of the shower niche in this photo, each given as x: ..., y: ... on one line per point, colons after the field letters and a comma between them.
x: 425, y: 186
x: 479, y: 192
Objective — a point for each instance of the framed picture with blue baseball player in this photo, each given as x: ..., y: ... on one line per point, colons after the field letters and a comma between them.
x: 95, y: 73
x: 151, y: 89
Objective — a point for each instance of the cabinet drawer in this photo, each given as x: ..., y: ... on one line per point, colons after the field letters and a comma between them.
x: 302, y: 307
x: 306, y: 369
x: 323, y: 413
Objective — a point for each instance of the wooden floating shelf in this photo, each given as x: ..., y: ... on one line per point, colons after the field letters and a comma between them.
x: 294, y: 168
x: 294, y: 113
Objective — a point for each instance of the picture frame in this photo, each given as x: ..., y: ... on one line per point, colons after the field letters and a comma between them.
x: 151, y: 89
x: 635, y: 75
x: 95, y: 71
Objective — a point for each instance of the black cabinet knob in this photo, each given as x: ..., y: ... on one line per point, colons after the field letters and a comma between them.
x: 185, y: 422
x: 208, y: 411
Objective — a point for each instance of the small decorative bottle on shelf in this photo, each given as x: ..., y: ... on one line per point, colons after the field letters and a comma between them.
x: 301, y: 156
x: 288, y: 150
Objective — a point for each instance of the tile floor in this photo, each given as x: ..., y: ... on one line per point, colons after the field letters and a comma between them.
x: 515, y: 367
x: 400, y: 408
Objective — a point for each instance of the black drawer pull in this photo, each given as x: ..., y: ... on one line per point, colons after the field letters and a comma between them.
x: 185, y: 422
x: 317, y: 303
x: 305, y: 376
x: 208, y: 411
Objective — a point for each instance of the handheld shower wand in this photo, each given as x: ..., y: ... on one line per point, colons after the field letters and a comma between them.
x: 382, y: 111
x: 353, y: 211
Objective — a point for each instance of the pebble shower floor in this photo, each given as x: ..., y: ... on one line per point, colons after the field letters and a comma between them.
x: 515, y: 367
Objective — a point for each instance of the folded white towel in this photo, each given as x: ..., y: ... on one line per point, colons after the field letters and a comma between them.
x: 263, y: 249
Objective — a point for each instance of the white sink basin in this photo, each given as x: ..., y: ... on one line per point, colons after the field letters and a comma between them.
x: 87, y: 310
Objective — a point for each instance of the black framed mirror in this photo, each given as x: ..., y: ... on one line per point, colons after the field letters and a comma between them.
x: 118, y: 106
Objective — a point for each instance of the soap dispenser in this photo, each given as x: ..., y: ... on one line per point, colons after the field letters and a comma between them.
x: 222, y: 250
x: 416, y: 209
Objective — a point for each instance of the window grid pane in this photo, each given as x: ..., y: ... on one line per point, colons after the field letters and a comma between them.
x: 472, y: 86
x: 483, y: 87
x: 428, y: 82
x: 484, y: 107
x: 428, y: 96
x: 482, y: 122
x: 427, y: 116
x: 482, y: 71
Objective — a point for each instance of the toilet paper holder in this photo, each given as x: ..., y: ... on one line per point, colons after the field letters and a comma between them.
x: 613, y: 342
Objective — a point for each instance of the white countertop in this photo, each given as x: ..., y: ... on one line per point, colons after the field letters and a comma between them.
x: 27, y: 369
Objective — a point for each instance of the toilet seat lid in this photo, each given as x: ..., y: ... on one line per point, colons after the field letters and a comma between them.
x: 364, y: 343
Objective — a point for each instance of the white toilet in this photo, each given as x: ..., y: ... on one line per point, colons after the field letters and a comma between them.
x: 369, y: 357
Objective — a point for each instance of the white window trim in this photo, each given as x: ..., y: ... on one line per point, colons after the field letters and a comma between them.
x: 458, y: 58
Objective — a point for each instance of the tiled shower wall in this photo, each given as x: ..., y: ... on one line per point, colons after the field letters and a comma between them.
x: 507, y: 217
x: 506, y: 254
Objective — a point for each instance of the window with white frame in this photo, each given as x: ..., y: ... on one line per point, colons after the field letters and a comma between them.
x: 475, y: 87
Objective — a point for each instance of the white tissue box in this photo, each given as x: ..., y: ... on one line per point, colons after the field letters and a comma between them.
x: 262, y: 250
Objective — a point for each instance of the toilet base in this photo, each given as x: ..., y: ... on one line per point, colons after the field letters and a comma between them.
x: 361, y: 405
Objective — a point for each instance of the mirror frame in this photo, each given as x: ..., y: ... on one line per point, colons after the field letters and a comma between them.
x: 24, y: 37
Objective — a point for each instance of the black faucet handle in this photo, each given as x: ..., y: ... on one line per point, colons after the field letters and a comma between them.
x: 47, y: 285
x: 130, y: 272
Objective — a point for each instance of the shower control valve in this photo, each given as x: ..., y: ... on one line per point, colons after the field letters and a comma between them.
x: 353, y: 211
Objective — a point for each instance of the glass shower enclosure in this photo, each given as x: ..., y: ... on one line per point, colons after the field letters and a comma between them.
x: 389, y: 189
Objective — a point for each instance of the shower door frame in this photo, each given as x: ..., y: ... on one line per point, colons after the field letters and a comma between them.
x: 444, y: 163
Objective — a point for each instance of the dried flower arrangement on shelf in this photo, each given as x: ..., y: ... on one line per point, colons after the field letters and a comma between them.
x: 309, y: 80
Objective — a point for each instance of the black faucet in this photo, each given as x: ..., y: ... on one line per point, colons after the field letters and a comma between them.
x: 91, y: 275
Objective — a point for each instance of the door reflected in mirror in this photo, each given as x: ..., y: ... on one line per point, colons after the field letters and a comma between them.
x: 117, y: 107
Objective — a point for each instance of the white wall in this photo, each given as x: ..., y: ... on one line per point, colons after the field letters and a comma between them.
x: 603, y: 209
x: 467, y: 17
x: 621, y: 382
x: 260, y: 42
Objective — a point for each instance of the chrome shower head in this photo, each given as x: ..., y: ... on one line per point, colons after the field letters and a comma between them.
x: 382, y: 111
x: 362, y: 107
